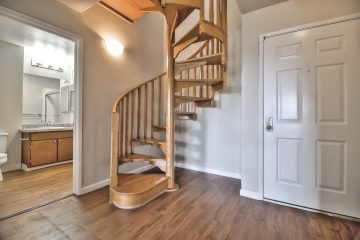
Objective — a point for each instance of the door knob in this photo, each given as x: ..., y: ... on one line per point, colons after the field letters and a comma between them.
x: 269, y: 124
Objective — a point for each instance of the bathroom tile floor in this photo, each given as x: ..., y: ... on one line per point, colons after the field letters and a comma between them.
x: 21, y: 190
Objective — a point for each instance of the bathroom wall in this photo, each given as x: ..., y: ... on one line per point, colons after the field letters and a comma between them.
x: 33, y: 97
x: 11, y: 69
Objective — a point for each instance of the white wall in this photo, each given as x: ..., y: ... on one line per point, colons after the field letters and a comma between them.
x: 11, y: 69
x: 105, y: 77
x: 284, y: 15
x: 212, y: 143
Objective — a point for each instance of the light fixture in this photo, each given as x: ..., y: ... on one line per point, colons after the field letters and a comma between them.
x: 114, y: 48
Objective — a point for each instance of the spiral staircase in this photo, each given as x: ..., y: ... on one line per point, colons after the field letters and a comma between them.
x: 143, y: 119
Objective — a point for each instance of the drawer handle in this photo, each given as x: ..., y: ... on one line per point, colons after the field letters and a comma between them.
x: 24, y: 139
x: 55, y: 141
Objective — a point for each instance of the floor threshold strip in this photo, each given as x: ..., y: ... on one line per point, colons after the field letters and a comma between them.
x: 35, y: 207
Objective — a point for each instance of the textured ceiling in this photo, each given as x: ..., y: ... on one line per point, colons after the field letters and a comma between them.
x: 252, y: 5
x: 25, y: 35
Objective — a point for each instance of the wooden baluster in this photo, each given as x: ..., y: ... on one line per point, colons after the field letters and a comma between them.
x: 218, y: 11
x: 188, y: 104
x: 218, y: 47
x: 131, y: 122
x: 202, y: 10
x: 201, y: 68
x: 121, y: 129
x: 159, y: 102
x: 212, y: 53
x: 152, y: 107
x: 139, y: 112
x: 145, y: 112
x: 207, y: 53
x: 127, y: 105
x: 224, y: 24
x: 211, y: 11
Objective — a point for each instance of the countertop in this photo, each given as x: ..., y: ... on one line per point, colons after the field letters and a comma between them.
x: 46, y: 129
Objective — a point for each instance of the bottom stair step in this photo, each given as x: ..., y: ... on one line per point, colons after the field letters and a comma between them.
x: 138, y: 183
x: 135, y: 190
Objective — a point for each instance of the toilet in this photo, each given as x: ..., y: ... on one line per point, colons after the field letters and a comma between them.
x: 3, y: 155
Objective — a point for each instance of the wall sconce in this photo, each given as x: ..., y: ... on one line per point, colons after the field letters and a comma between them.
x: 114, y: 47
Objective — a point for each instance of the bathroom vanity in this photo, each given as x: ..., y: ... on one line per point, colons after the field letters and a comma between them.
x: 41, y: 146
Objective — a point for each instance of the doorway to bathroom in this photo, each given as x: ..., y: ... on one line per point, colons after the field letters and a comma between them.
x: 40, y: 120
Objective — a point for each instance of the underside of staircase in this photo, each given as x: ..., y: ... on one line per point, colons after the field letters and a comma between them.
x: 143, y: 119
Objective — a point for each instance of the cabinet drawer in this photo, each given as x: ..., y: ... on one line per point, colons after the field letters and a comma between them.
x: 51, y: 135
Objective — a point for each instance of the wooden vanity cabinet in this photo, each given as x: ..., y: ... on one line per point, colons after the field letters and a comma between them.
x: 40, y: 148
x: 65, y: 149
x: 43, y: 152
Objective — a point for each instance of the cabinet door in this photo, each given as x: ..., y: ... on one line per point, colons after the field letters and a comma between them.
x: 65, y: 149
x: 43, y: 152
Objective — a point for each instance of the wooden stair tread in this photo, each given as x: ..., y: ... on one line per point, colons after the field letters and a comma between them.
x: 195, y: 4
x: 188, y: 83
x: 157, y: 128
x: 213, y: 59
x: 202, y: 31
x: 193, y: 99
x: 131, y: 184
x: 149, y: 141
x: 135, y: 157
x: 185, y: 113
x: 183, y: 14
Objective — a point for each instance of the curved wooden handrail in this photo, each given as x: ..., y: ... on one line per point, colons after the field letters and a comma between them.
x: 117, y: 101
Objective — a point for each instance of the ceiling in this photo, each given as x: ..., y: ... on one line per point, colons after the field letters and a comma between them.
x: 252, y: 5
x: 24, y: 35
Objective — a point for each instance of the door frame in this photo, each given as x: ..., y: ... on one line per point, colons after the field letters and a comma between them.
x: 78, y: 78
x: 262, y: 39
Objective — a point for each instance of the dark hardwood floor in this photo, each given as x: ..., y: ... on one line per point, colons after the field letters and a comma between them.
x: 21, y: 190
x: 205, y: 207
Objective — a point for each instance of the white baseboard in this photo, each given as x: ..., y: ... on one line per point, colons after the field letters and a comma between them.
x: 208, y: 170
x: 28, y: 169
x: 250, y: 194
x: 95, y: 186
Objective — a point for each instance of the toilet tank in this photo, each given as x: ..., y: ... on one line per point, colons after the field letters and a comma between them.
x: 3, y: 141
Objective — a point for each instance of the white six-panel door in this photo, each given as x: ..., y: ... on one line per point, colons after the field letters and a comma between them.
x: 312, y: 118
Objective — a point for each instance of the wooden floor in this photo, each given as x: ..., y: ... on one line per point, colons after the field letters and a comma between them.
x: 205, y: 207
x: 21, y: 190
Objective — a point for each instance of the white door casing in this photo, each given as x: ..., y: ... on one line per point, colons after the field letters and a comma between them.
x: 312, y: 91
